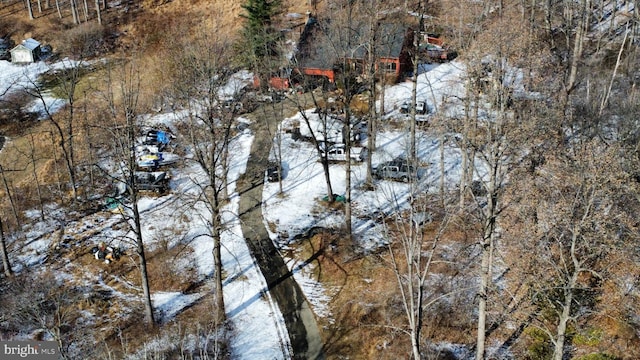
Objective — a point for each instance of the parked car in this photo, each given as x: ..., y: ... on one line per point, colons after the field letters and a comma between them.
x: 398, y: 170
x: 421, y: 107
x: 338, y: 153
x: 273, y: 173
x: 438, y: 53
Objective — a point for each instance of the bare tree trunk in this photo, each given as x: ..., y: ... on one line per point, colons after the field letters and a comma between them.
x: 383, y: 83
x: 605, y: 99
x: 216, y: 220
x: 89, y: 141
x: 3, y: 253
x: 217, y: 262
x: 486, y: 248
x: 577, y: 49
x: 371, y: 144
x: 124, y: 115
x: 279, y: 158
x: 462, y: 186
x: 35, y: 177
x: 86, y: 11
x: 14, y: 210
x: 323, y: 155
x: 65, y: 131
x: 98, y: 14
x: 142, y: 261
x: 58, y: 8
x: 74, y: 11
x: 373, y: 116
x: 68, y: 159
x: 55, y: 166
x: 30, y: 9
x: 411, y: 261
x: 442, y: 170
x: 347, y: 196
x: 565, y: 316
x: 130, y: 95
x: 414, y: 93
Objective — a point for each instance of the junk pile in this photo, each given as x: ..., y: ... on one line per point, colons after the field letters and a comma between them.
x: 106, y: 253
x: 153, y: 151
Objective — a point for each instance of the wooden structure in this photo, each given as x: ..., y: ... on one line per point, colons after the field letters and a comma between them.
x: 322, y: 57
x: 26, y: 52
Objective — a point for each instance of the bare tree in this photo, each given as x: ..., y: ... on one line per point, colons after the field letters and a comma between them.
x: 577, y: 224
x: 82, y: 42
x: 122, y: 91
x: 38, y: 302
x: 414, y: 241
x: 67, y: 78
x: 210, y: 96
x: 494, y: 134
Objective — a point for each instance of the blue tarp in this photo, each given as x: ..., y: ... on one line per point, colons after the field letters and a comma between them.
x: 162, y: 137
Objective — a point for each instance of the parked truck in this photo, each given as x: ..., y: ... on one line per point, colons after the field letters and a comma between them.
x: 398, y: 170
x: 156, y: 181
x: 338, y: 153
x: 421, y: 107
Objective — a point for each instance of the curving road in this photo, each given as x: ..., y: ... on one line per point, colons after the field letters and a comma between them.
x: 300, y: 320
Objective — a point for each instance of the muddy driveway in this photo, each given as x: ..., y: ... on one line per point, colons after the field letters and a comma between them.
x: 303, y: 331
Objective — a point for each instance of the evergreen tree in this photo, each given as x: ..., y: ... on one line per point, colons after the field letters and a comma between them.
x: 259, y: 36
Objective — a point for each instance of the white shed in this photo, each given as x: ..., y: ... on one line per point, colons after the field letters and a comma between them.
x: 26, y: 52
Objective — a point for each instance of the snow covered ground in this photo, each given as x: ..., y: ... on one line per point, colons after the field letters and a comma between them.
x: 258, y: 325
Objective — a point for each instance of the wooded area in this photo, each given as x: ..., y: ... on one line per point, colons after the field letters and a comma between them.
x: 532, y: 254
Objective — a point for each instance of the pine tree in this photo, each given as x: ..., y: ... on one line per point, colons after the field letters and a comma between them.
x: 259, y: 36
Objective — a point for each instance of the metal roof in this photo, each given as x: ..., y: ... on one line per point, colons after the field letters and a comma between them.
x: 30, y: 44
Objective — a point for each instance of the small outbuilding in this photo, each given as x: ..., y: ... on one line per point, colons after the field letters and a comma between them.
x: 26, y: 52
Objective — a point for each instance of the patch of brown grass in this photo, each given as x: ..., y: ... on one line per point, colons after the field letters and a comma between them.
x: 166, y: 273
x: 367, y: 316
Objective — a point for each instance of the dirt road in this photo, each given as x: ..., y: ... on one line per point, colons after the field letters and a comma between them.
x: 303, y: 331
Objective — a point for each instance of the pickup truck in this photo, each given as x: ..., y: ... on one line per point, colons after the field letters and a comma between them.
x: 421, y: 107
x: 337, y: 153
x: 398, y: 170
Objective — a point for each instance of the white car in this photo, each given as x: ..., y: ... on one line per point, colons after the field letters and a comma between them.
x: 338, y: 153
